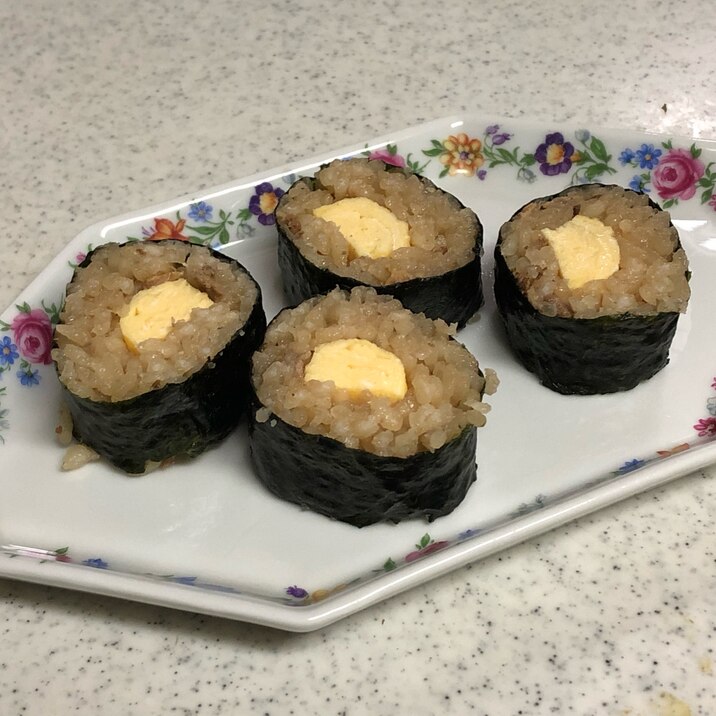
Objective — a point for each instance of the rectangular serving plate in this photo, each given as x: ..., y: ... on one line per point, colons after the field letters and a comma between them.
x: 206, y: 537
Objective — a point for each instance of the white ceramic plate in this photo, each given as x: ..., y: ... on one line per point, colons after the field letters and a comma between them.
x: 205, y: 536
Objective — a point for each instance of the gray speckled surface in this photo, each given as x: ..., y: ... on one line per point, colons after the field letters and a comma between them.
x: 110, y: 107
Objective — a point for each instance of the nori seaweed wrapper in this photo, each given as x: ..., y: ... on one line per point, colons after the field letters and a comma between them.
x: 355, y: 486
x: 178, y: 419
x: 581, y: 356
x: 455, y: 296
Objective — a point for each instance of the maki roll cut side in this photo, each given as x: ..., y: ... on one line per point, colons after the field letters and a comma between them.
x: 590, y: 283
x: 364, y: 222
x: 153, y: 349
x: 364, y: 411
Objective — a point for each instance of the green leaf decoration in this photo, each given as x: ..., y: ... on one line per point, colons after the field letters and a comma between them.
x: 595, y: 170
x: 695, y: 151
x: 705, y: 181
x: 222, y: 215
x: 389, y: 565
x: 52, y: 311
x: 392, y: 148
x: 424, y: 541
x: 61, y: 550
x: 23, y: 307
x: 669, y: 203
x: 244, y: 214
x: 414, y: 165
x: 598, y: 149
x: 433, y: 152
x: 706, y: 195
x: 667, y: 144
x: 528, y: 160
x: 203, y: 230
x: 443, y: 172
x: 223, y: 236
x: 505, y: 155
x: 4, y: 326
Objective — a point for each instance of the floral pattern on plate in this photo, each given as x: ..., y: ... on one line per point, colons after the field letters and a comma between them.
x: 389, y: 154
x: 201, y: 223
x: 25, y: 348
x: 463, y: 155
x: 674, y: 173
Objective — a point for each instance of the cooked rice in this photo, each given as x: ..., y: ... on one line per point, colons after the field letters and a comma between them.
x: 445, y: 386
x: 92, y: 358
x: 442, y: 231
x: 651, y: 277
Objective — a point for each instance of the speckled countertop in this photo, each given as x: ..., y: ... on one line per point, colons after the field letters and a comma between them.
x: 108, y: 107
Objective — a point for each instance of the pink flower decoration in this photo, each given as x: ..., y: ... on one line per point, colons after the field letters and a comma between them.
x: 433, y: 547
x: 706, y: 426
x: 33, y: 335
x: 676, y: 175
x: 385, y: 156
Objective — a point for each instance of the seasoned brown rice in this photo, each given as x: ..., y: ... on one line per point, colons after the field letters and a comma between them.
x: 442, y: 231
x: 652, y: 270
x: 445, y: 386
x: 92, y: 358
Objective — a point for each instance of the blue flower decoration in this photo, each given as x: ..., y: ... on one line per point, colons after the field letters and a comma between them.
x: 96, y: 562
x: 29, y: 377
x: 189, y: 581
x: 638, y: 184
x: 647, y: 156
x: 630, y: 465
x: 627, y: 156
x: 8, y: 351
x: 468, y: 533
x: 201, y: 212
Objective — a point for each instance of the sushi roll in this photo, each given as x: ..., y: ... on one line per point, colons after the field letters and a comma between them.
x: 590, y: 283
x: 364, y: 411
x: 364, y: 222
x: 153, y: 350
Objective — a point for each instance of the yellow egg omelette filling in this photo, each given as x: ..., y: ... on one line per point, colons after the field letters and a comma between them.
x: 153, y: 311
x: 585, y: 248
x: 356, y: 365
x: 369, y: 228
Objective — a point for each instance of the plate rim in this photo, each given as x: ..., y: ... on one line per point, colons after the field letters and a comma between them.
x: 306, y: 618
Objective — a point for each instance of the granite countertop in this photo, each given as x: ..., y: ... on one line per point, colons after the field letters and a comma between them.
x: 115, y: 106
